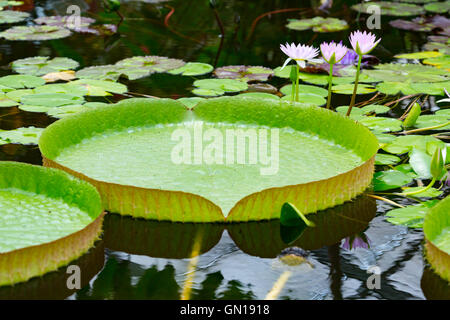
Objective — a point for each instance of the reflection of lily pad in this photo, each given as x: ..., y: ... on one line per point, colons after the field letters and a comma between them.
x: 318, y: 24
x: 9, y: 16
x: 193, y: 69
x: 39, y: 66
x: 390, y: 8
x: 35, y: 33
x: 245, y: 73
x: 218, y: 87
x: 26, y: 135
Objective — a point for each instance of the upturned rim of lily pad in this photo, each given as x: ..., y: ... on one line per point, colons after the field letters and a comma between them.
x: 22, y: 264
x: 157, y: 204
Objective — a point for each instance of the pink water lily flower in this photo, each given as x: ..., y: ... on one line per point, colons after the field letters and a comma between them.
x: 363, y: 42
x: 333, y: 52
x: 299, y: 53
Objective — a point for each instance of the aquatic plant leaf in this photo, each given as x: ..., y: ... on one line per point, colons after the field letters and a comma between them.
x: 99, y: 87
x: 26, y: 135
x: 422, y: 24
x: 35, y: 33
x: 216, y: 87
x: 442, y: 61
x: 291, y: 217
x: 348, y: 89
x: 429, y: 193
x: 322, y: 79
x: 21, y: 81
x: 427, y: 121
x: 39, y: 66
x: 386, y: 159
x: 384, y: 138
x: 410, y: 216
x: 151, y: 63
x: 42, y: 198
x: 59, y: 76
x: 374, y: 108
x: 9, y: 16
x: 438, y: 7
x: 194, y: 198
x: 381, y: 124
x: 244, y: 73
x: 106, y: 72
x: 262, y: 95
x: 6, y: 102
x: 391, y: 8
x: 407, y: 73
x: 64, y: 111
x: 356, y: 112
x: 390, y: 179
x: 441, y: 47
x: 193, y: 69
x: 420, y: 161
x: 10, y: 4
x: 412, y: 116
x: 17, y: 94
x: 68, y: 88
x: 287, y: 90
x: 39, y: 109
x: 436, y: 228
x: 51, y: 99
x: 407, y: 169
x: 307, y: 98
x: 404, y: 144
x: 419, y: 55
x: 190, y: 102
x: 318, y: 24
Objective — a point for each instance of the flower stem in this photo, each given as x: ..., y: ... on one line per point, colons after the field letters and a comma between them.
x: 330, y: 81
x: 355, y: 89
x: 418, y: 191
x: 296, y: 84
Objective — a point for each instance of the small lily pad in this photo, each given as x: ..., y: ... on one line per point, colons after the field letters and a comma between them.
x: 318, y: 24
x: 26, y: 135
x: 429, y: 193
x: 6, y: 102
x: 375, y: 108
x: 390, y: 8
x: 407, y: 72
x: 21, y: 81
x: 322, y: 79
x: 405, y: 144
x: 51, y: 99
x: 442, y: 61
x: 244, y: 73
x: 151, y: 63
x: 381, y: 124
x: 419, y: 55
x: 64, y: 111
x: 348, y: 89
x: 193, y: 69
x: 99, y: 87
x: 386, y: 159
x: 217, y: 87
x: 307, y: 98
x: 427, y: 121
x: 438, y: 7
x: 9, y: 16
x: 287, y: 90
x: 391, y: 179
x: 35, y: 33
x: 410, y: 216
x: 39, y: 66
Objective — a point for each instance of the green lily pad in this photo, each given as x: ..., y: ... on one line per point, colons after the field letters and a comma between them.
x: 404, y: 144
x: 407, y: 88
x: 322, y: 79
x: 35, y: 33
x: 26, y: 135
x: 390, y: 8
x: 411, y: 216
x: 193, y: 69
x: 384, y: 138
x: 375, y: 108
x: 388, y: 180
x: 39, y: 66
x: 218, y: 87
x: 10, y: 4
x: 146, y: 134
x: 438, y: 7
x: 381, y: 124
x: 99, y: 87
x: 291, y: 217
x: 318, y: 24
x: 51, y: 99
x: 9, y: 16
x: 386, y: 159
x: 427, y: 121
x: 68, y: 88
x: 6, y: 102
x: 436, y: 228
x: 348, y: 89
x: 151, y: 63
x: 287, y: 90
x: 308, y: 98
x: 39, y: 109
x: 244, y: 73
x: 64, y: 111
x: 17, y: 94
x: 21, y: 81
x: 356, y: 112
x: 107, y: 72
x: 442, y: 61
x: 420, y: 161
x: 419, y: 55
x: 190, y: 102
x: 47, y: 218
x: 429, y: 193
x: 407, y: 73
x: 407, y: 169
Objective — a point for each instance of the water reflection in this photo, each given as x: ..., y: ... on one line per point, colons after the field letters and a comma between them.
x: 433, y: 286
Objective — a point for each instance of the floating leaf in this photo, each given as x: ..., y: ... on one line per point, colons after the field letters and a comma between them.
x: 391, y: 179
x: 411, y: 216
x: 390, y: 8
x: 348, y: 89
x: 21, y: 81
x: 407, y: 73
x: 318, y: 24
x: 405, y: 144
x: 420, y: 161
x: 419, y: 55
x: 407, y: 169
x: 190, y: 102
x: 28, y: 108
x: 424, y: 24
x: 386, y: 159
x: 6, y: 102
x: 427, y: 121
x: 308, y: 98
x: 442, y: 61
x: 438, y: 7
x: 381, y: 124
x: 429, y: 193
x: 64, y: 111
x: 322, y: 79
x: 35, y: 33
x: 26, y: 135
x: 99, y: 87
x: 217, y: 87
x: 193, y: 69
x: 59, y: 76
x: 441, y: 47
x: 374, y: 108
x: 244, y: 73
x: 51, y: 99
x: 9, y: 16
x: 287, y: 90
x: 291, y: 217
x: 106, y: 72
x: 39, y: 66
x: 151, y: 63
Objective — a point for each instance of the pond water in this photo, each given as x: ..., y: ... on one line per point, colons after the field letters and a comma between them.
x: 138, y: 259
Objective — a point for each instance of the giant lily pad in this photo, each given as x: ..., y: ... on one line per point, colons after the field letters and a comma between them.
x: 151, y: 173
x: 33, y: 200
x: 436, y: 227
x: 9, y: 16
x: 35, y: 33
x: 318, y: 24
x: 390, y: 8
x: 39, y: 66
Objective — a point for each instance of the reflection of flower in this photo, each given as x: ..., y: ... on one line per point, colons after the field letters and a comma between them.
x: 333, y: 52
x: 299, y: 53
x: 356, y: 241
x: 363, y: 42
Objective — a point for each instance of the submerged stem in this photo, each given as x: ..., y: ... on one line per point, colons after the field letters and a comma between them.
x: 355, y: 89
x: 330, y: 81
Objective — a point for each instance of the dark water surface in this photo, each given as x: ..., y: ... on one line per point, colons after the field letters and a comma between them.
x: 138, y: 259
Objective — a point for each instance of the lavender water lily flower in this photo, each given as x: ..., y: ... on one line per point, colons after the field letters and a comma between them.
x: 362, y: 43
x: 300, y: 54
x: 332, y: 53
